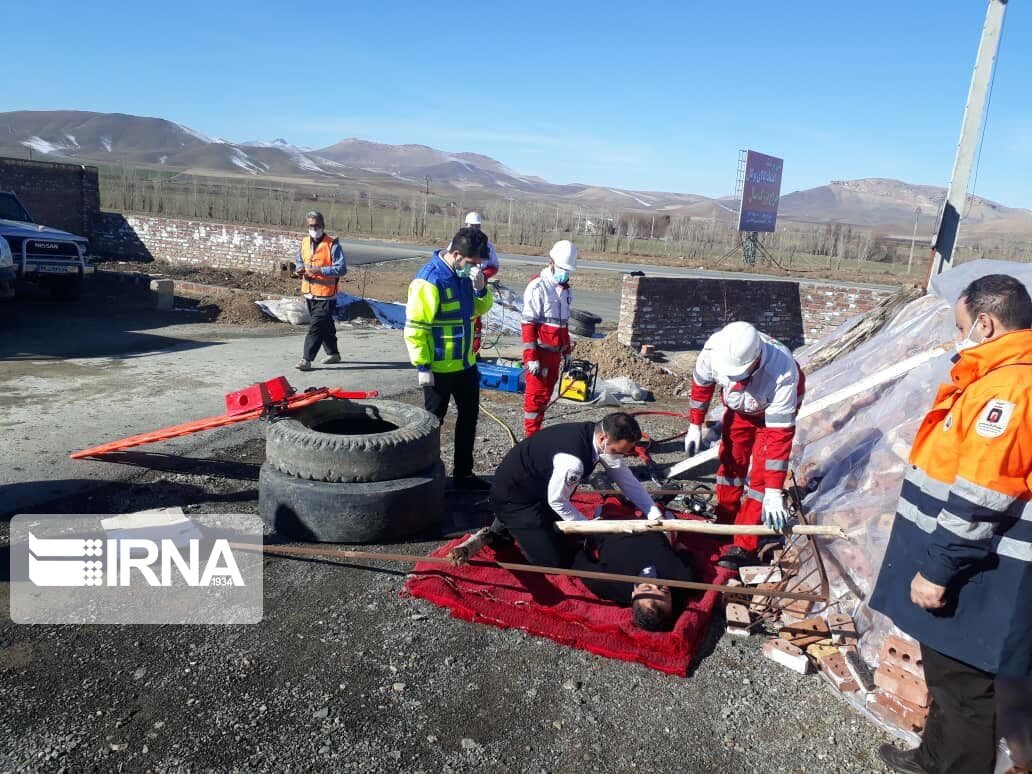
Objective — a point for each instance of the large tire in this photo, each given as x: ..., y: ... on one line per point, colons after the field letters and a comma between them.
x: 580, y: 328
x: 376, y: 512
x: 585, y: 317
x: 369, y: 440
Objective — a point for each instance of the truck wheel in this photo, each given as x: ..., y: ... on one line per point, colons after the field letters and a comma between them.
x: 354, y: 441
x: 376, y: 512
x: 67, y: 289
x: 580, y: 328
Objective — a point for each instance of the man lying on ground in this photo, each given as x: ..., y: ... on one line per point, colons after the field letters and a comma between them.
x: 649, y: 556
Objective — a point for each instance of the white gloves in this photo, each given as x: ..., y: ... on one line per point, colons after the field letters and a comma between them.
x: 775, y: 512
x: 659, y: 514
x: 693, y: 440
x: 477, y: 275
x: 534, y: 367
x: 426, y: 378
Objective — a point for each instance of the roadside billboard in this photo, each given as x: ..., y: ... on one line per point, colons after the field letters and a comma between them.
x: 760, y: 193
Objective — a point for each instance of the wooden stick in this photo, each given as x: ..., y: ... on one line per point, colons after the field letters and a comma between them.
x: 344, y: 553
x: 638, y: 526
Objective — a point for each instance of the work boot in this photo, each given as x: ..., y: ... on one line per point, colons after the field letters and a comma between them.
x: 304, y: 365
x: 736, y: 557
x: 470, y: 483
x: 901, y: 760
x: 331, y: 360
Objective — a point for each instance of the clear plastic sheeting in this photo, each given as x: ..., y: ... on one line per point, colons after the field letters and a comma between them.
x: 506, y: 313
x: 851, y: 456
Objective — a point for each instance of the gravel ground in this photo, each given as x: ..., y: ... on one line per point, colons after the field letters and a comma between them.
x: 344, y: 674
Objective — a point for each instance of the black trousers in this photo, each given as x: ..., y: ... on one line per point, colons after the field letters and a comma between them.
x: 464, y: 386
x: 533, y: 528
x: 321, y: 332
x: 960, y: 733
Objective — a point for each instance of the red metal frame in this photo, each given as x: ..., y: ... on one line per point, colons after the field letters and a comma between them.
x: 264, y: 395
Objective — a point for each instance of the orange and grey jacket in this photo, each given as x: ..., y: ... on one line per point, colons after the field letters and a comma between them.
x: 964, y: 517
x: 325, y: 257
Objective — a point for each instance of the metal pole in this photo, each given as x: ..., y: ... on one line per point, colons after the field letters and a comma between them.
x: 426, y: 197
x: 974, y: 111
x: 913, y: 239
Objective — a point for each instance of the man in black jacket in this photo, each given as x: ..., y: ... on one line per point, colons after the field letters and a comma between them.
x: 649, y: 556
x: 533, y: 484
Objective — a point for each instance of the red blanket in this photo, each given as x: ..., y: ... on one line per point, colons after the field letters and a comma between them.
x: 562, y: 609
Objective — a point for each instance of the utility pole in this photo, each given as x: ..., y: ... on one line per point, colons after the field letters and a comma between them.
x: 510, y: 220
x: 913, y: 239
x: 652, y: 233
x: 974, y: 112
x: 426, y: 198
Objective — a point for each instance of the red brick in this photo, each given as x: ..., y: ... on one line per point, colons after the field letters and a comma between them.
x: 843, y: 629
x: 786, y: 654
x: 805, y: 632
x: 834, y: 666
x: 903, y: 685
x: 904, y: 654
x: 897, y: 712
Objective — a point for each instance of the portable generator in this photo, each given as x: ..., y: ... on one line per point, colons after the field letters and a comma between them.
x: 578, y: 380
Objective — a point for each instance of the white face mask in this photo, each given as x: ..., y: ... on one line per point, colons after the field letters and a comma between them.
x: 967, y: 342
x: 608, y: 459
x: 315, y: 233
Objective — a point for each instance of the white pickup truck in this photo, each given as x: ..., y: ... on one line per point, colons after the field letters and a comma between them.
x: 40, y: 254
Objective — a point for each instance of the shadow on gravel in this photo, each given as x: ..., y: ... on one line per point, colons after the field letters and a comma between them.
x: 173, y: 463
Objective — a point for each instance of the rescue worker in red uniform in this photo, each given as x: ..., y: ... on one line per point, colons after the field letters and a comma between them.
x: 320, y: 264
x: 545, y: 331
x: 762, y: 388
x: 489, y: 268
x: 957, y: 572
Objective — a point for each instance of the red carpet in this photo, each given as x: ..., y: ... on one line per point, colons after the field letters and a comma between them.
x: 562, y: 609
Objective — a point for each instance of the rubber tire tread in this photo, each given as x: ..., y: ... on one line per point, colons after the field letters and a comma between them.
x: 585, y: 317
x: 374, y: 512
x: 294, y: 448
x: 579, y: 328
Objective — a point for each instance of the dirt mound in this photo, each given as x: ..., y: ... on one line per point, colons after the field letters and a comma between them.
x: 237, y: 309
x: 615, y: 359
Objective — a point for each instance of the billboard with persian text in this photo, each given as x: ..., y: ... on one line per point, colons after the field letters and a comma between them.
x: 760, y: 193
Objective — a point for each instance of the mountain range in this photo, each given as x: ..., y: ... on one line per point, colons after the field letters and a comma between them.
x: 117, y: 139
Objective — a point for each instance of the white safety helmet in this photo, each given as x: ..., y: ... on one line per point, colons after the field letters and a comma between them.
x: 473, y: 219
x: 735, y: 349
x: 564, y: 255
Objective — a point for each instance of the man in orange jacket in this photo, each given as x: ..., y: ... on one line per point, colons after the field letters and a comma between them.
x: 320, y: 264
x: 957, y: 573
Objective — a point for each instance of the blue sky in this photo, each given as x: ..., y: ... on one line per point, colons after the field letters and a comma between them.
x: 646, y: 95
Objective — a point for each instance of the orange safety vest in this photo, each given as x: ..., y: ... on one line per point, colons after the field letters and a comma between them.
x: 320, y: 287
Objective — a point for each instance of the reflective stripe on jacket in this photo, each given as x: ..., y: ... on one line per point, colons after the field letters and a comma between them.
x: 546, y: 317
x: 318, y: 259
x: 775, y: 392
x: 439, y: 318
x: 964, y: 517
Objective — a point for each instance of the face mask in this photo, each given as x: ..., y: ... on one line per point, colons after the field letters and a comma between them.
x: 315, y: 233
x: 967, y: 342
x: 561, y: 276
x: 609, y: 459
x: 463, y: 271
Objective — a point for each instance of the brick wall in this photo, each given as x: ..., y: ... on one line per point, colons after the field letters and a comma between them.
x: 65, y: 196
x: 219, y: 245
x: 681, y: 313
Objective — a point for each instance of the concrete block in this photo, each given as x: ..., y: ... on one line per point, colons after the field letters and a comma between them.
x: 163, y: 293
x: 786, y: 654
x: 737, y: 615
x: 903, y: 685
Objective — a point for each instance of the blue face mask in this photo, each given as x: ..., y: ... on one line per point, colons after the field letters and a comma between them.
x: 463, y: 271
x: 561, y: 276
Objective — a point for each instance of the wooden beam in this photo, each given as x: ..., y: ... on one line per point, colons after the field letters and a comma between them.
x: 639, y: 526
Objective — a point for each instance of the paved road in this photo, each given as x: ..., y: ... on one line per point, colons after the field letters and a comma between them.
x: 80, y: 378
x: 364, y: 251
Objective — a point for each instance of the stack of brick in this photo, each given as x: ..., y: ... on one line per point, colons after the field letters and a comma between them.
x: 902, y: 699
